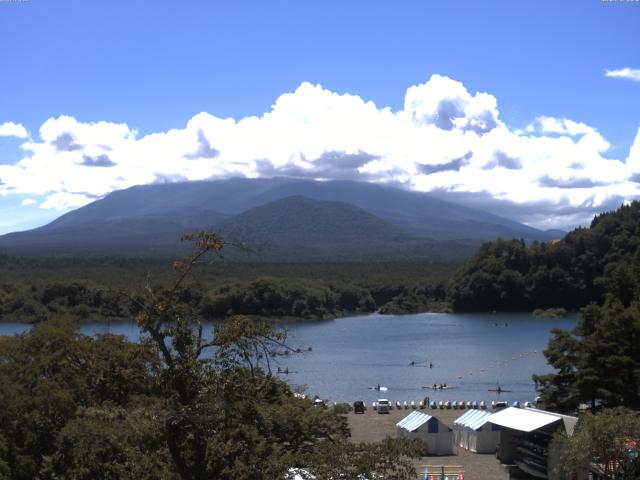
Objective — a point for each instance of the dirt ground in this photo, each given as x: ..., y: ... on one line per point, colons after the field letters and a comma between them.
x: 372, y: 426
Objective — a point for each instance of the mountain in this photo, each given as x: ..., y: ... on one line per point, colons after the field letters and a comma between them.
x: 417, y: 213
x: 281, y: 212
x: 151, y: 233
x: 300, y: 227
x: 302, y: 219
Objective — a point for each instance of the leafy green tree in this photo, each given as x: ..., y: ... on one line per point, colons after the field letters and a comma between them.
x: 389, y: 459
x: 598, y: 363
x: 110, y: 442
x: 48, y: 374
x: 558, y: 390
x: 607, y: 443
x: 227, y: 416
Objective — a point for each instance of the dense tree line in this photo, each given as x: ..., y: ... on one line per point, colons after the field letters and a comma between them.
x: 175, y: 406
x: 286, y: 298
x: 569, y: 273
x: 281, y: 291
x: 598, y: 362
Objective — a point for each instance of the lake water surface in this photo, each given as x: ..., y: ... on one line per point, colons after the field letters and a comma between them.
x: 472, y: 352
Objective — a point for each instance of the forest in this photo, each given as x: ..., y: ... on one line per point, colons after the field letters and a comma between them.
x: 596, y: 365
x: 508, y: 275
x: 102, y: 289
x: 178, y: 405
x: 503, y: 275
x: 100, y: 406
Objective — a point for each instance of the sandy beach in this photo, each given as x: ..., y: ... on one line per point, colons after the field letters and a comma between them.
x: 372, y: 426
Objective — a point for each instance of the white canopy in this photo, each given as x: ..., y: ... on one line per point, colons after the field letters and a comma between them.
x: 435, y: 434
x: 413, y: 421
x: 473, y: 431
x: 473, y: 419
x: 523, y: 419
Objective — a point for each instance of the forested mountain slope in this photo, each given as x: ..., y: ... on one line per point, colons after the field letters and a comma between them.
x: 570, y: 273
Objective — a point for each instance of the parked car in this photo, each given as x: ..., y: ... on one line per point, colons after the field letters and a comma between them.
x: 383, y: 405
x: 318, y: 402
x: 501, y: 405
x: 358, y: 406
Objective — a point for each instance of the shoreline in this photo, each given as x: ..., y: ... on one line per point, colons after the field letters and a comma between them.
x: 542, y: 314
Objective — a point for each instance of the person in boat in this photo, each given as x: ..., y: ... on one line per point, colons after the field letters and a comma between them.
x: 435, y: 386
x: 445, y: 386
x: 499, y: 389
x: 430, y: 365
x: 378, y: 387
x: 412, y: 363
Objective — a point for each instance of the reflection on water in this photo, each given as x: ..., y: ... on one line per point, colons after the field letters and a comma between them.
x: 350, y: 356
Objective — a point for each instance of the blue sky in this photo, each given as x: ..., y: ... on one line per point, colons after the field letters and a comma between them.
x: 154, y: 66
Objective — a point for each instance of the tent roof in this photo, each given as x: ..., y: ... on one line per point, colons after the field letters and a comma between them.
x: 413, y: 421
x: 473, y: 419
x: 569, y: 421
x: 522, y: 419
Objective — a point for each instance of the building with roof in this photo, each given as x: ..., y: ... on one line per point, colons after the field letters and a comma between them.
x: 526, y: 441
x: 473, y: 431
x: 436, y: 435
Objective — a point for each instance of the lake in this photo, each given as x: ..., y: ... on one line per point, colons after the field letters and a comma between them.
x: 472, y: 352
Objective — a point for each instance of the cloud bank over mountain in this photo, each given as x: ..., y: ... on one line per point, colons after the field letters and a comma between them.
x: 446, y: 140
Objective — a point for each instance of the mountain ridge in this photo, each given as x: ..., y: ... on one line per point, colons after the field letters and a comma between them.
x: 150, y: 219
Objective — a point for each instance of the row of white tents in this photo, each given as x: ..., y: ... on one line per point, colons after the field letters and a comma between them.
x: 471, y: 431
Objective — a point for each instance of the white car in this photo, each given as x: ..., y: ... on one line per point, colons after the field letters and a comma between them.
x: 383, y: 405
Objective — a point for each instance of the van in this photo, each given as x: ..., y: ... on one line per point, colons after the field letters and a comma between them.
x: 383, y: 405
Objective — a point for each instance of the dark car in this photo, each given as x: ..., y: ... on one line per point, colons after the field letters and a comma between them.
x: 358, y: 406
x: 501, y: 405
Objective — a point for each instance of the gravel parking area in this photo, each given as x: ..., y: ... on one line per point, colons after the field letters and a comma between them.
x: 372, y: 426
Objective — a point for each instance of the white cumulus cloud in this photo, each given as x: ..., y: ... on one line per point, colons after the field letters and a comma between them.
x: 11, y: 129
x: 445, y: 140
x: 626, y: 73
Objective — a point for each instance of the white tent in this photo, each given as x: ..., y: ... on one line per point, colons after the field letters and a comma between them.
x: 473, y: 431
x: 436, y: 435
x: 524, y: 419
x: 526, y: 439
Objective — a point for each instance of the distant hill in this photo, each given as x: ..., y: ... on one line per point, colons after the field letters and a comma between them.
x: 152, y: 234
x: 301, y: 219
x: 301, y: 227
x: 579, y: 269
x: 372, y: 219
x: 415, y: 212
